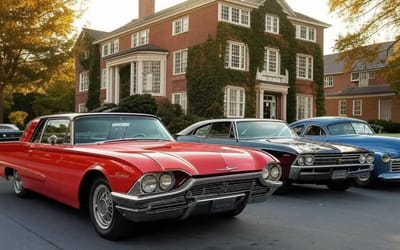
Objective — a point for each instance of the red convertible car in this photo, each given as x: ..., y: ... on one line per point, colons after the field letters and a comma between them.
x: 125, y: 166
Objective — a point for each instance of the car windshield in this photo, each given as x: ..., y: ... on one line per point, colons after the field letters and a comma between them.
x: 350, y: 128
x: 93, y: 129
x: 264, y: 130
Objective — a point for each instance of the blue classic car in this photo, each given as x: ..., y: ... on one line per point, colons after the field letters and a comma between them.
x: 302, y: 161
x: 356, y: 132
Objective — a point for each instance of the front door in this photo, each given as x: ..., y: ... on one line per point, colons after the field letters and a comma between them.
x: 269, y: 107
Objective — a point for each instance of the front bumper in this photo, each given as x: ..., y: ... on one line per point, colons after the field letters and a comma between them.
x: 197, y: 196
x: 312, y: 174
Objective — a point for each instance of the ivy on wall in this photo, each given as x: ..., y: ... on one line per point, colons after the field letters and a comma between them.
x: 206, y: 75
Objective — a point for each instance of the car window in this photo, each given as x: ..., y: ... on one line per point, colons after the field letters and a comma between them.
x: 264, y: 129
x: 362, y: 128
x: 202, y: 131
x: 341, y: 129
x: 221, y: 130
x: 54, y: 131
x: 314, y: 130
x: 298, y: 129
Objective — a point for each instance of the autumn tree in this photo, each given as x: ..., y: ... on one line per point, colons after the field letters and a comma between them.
x: 35, y: 38
x: 369, y: 20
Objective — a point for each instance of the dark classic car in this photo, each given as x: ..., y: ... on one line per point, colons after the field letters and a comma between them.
x: 9, y: 132
x: 302, y: 161
x: 127, y: 166
x: 356, y: 132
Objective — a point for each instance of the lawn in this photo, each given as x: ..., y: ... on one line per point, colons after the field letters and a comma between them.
x: 391, y: 135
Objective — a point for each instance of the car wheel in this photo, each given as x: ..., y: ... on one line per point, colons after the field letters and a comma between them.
x: 18, y: 185
x: 339, y: 185
x: 107, y: 221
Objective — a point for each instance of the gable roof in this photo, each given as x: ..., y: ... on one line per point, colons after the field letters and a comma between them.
x: 333, y: 66
x: 368, y: 90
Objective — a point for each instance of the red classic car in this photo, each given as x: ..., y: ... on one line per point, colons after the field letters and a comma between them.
x: 128, y: 167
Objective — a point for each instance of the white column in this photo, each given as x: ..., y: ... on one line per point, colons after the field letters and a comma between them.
x: 109, y: 86
x: 261, y: 104
x: 116, y: 85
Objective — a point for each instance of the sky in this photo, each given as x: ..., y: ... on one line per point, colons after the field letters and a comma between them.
x: 108, y: 15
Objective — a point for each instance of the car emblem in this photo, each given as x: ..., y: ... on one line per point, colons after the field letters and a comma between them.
x: 227, y: 168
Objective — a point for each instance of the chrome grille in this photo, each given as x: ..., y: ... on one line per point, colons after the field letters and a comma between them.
x: 223, y: 188
x: 395, y: 165
x: 336, y: 159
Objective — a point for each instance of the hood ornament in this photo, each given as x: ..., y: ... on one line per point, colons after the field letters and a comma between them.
x: 227, y: 168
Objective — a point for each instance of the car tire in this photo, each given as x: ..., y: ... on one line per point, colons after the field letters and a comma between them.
x: 339, y: 185
x: 18, y: 185
x: 107, y: 221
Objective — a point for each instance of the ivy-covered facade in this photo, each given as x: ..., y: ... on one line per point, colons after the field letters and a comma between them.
x: 218, y: 58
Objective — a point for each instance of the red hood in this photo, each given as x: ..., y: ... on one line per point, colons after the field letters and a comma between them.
x: 195, y: 159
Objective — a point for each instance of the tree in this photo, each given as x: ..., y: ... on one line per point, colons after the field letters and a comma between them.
x: 35, y: 38
x: 374, y: 18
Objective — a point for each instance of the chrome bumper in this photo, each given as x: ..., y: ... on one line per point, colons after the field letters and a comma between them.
x: 328, y: 172
x: 197, y: 196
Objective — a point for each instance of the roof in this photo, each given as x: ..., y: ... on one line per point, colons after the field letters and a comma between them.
x: 177, y: 9
x: 95, y: 34
x: 75, y: 115
x: 333, y: 66
x: 368, y: 90
x: 328, y: 119
x: 143, y: 48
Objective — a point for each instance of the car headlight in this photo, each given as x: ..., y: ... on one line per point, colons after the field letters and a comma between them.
x: 272, y: 172
x: 166, y: 181
x: 362, y: 159
x: 300, y: 161
x: 309, y: 160
x: 386, y: 158
x: 149, y: 183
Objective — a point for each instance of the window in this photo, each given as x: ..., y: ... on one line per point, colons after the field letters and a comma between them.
x: 304, y: 106
x: 355, y: 76
x: 357, y: 107
x: 328, y: 82
x: 342, y: 108
x: 371, y: 75
x: 111, y: 48
x: 104, y: 80
x: 84, y: 81
x: 234, y: 15
x: 140, y: 38
x: 236, y: 56
x: 305, y: 67
x: 86, y: 54
x: 151, y: 77
x: 272, y: 24
x: 55, y: 132
x: 306, y: 33
x: 82, y: 108
x: 180, y: 98
x: 234, y: 101
x: 180, y: 61
x: 271, y: 61
x: 180, y: 25
x: 314, y: 131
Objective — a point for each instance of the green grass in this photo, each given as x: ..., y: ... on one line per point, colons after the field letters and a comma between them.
x: 391, y: 135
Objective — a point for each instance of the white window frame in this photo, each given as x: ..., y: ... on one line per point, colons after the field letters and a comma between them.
x: 180, y: 62
x: 180, y: 25
x: 357, y: 107
x: 307, y: 69
x: 342, y: 108
x: 304, y: 106
x: 84, y: 81
x: 271, y: 67
x: 271, y: 24
x: 237, y: 61
x: 105, y: 49
x: 110, y: 48
x: 104, y: 78
x: 140, y: 38
x: 227, y: 13
x: 180, y: 98
x: 310, y: 33
x: 328, y: 81
x: 82, y: 108
x: 234, y: 102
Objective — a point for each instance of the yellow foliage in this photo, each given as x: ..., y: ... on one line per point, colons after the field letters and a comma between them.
x: 18, y: 118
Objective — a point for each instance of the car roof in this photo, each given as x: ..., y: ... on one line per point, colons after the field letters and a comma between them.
x: 328, y: 120
x: 76, y: 115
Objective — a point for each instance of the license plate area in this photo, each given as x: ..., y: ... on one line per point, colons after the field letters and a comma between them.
x: 339, y: 174
x: 223, y: 205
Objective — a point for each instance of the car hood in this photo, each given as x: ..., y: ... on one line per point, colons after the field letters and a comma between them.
x: 303, y: 146
x: 379, y: 144
x: 193, y: 158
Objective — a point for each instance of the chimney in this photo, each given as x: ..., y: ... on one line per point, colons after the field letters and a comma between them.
x: 146, y: 8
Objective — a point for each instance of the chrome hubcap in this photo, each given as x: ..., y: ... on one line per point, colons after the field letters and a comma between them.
x: 103, y: 208
x: 17, y: 183
x: 363, y: 177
